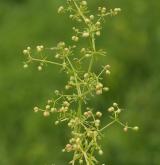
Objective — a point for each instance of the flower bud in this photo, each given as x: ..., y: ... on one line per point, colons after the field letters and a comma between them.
x: 115, y: 104
x: 98, y: 114
x: 67, y: 87
x: 25, y: 51
x: 56, y: 92
x: 98, y: 33
x: 75, y: 38
x: 117, y: 9
x: 66, y: 50
x: 87, y: 55
x: 66, y: 103
x: 60, y: 9
x: 36, y: 109
x: 83, y: 50
x: 107, y: 67
x: 98, y: 23
x: 99, y: 86
x: 97, y: 123
x: 56, y: 122
x: 111, y: 109
x: 39, y: 68
x: 80, y: 161
x: 125, y: 129
x: 25, y: 66
x: 103, y: 10
x: 28, y: 48
x: 85, y: 34
x: 40, y: 48
x: 53, y: 109
x: 91, y: 17
x: 68, y: 147
x: 46, y: 113
x: 100, y: 152
x: 47, y: 107
x: 63, y: 150
x: 119, y: 111
x: 99, y: 92
x: 87, y: 20
x: 84, y: 3
x: 108, y: 72
x: 106, y: 89
x: 135, y: 128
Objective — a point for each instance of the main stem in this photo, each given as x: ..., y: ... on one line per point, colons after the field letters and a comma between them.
x: 93, y: 45
x: 77, y: 87
x: 94, y: 50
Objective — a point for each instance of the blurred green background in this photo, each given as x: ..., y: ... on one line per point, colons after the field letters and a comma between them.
x: 132, y: 41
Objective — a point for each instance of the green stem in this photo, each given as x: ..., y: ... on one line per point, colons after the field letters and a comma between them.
x: 85, y: 157
x: 75, y: 76
x: 108, y: 125
x: 94, y: 50
x: 79, y: 108
x: 77, y: 87
x: 92, y: 35
x: 80, y: 13
x: 44, y: 61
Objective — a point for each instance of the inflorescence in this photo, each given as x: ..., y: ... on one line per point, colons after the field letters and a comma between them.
x: 72, y: 105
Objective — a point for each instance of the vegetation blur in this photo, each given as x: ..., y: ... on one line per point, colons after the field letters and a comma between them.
x: 132, y: 41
